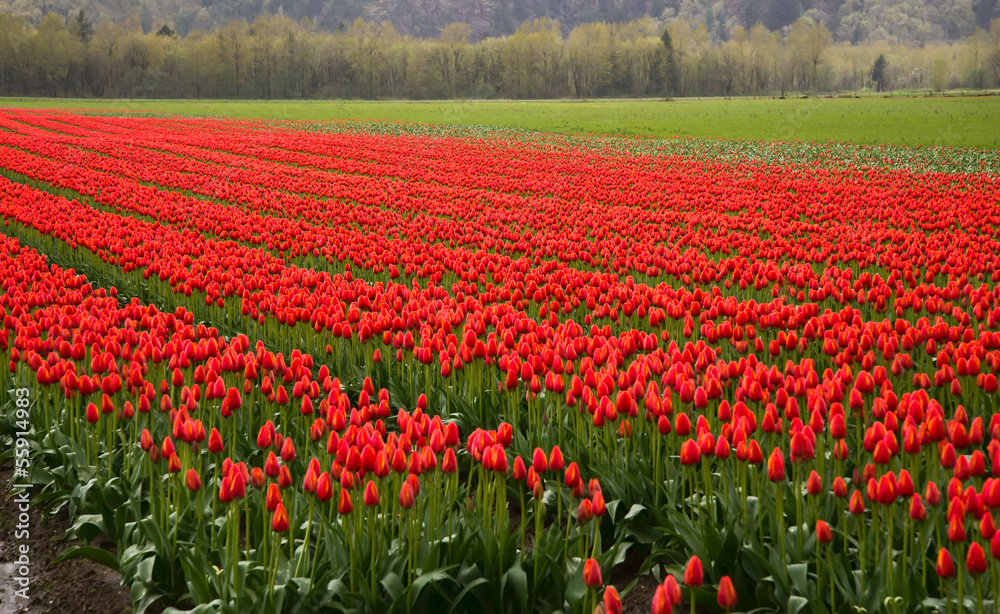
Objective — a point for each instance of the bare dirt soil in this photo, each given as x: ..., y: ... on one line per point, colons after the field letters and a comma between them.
x: 76, y: 585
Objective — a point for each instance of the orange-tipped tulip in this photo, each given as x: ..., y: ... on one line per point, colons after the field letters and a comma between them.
x: 673, y: 590
x: 371, y: 494
x: 539, y: 461
x: 406, y: 498
x: 776, y: 466
x: 612, y: 601
x: 345, y: 505
x: 592, y: 573
x: 279, y: 522
x: 814, y: 485
x: 93, y: 414
x: 945, y: 568
x: 857, y: 503
x: 215, y: 441
x: 727, y: 593
x: 823, y: 533
x: 556, y: 462
x: 193, y: 480
x: 449, y: 464
x: 694, y: 574
x: 174, y: 463
x: 273, y: 497
x: 661, y: 601
x: 975, y: 559
x: 324, y: 488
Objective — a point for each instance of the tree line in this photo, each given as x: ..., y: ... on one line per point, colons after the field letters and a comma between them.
x: 276, y: 57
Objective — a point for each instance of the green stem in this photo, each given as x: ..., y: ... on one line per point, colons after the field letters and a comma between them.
x: 305, y: 542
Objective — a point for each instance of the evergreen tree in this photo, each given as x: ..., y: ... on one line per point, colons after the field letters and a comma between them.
x: 669, y: 64
x: 878, y: 71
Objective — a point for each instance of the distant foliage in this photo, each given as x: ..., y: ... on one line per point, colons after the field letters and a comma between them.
x: 913, y: 21
x: 278, y: 57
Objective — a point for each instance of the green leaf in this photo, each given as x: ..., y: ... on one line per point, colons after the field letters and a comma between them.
x: 393, y: 585
x: 197, y: 578
x: 796, y: 603
x: 98, y: 555
x: 457, y: 601
x: 516, y: 578
x: 798, y: 574
x: 634, y: 511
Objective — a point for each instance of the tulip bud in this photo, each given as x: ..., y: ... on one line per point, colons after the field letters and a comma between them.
x: 727, y: 593
x: 193, y: 480
x: 945, y: 568
x: 284, y: 477
x: 857, y: 504
x: 956, y: 528
x: 279, y: 522
x: 449, y: 464
x: 693, y: 573
x: 917, y: 510
x: 612, y: 602
x: 690, y: 452
x: 345, y: 505
x: 519, y: 473
x: 824, y: 534
x: 539, y: 461
x: 975, y: 559
x: 839, y: 487
x: 215, y: 441
x: 776, y: 466
x: 273, y: 497
x: 673, y: 590
x: 592, y: 573
x: 661, y: 601
x: 406, y: 497
x: 814, y: 484
x: 371, y: 494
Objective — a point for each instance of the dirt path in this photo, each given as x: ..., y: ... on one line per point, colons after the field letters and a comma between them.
x: 74, y: 586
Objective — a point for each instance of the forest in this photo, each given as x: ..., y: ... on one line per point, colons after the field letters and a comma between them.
x: 275, y: 56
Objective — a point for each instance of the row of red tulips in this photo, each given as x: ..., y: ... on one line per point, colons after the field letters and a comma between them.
x: 870, y: 412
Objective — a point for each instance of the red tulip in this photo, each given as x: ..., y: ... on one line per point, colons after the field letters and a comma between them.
x: 856, y: 505
x: 193, y: 480
x: 556, y: 462
x: 956, y: 528
x: 345, y: 505
x: 823, y: 533
x: 917, y: 510
x: 371, y: 494
x: 776, y: 466
x: 592, y: 573
x: 693, y: 573
x: 324, y: 488
x: 406, y: 496
x: 279, y: 522
x: 273, y: 497
x: 945, y: 567
x: 814, y: 484
x: 690, y: 452
x: 661, y: 601
x: 727, y: 594
x: 612, y: 602
x: 975, y: 559
x: 673, y: 590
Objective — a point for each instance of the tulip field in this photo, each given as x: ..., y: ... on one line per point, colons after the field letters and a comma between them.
x: 382, y: 367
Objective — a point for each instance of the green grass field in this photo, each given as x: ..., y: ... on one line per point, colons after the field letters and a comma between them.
x: 944, y: 121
